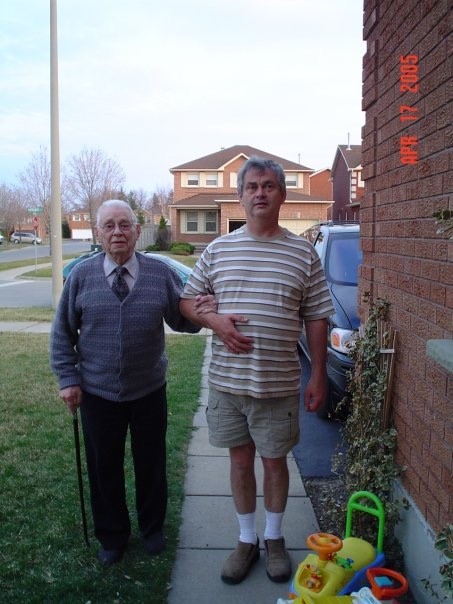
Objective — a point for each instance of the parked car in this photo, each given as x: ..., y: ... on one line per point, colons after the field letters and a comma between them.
x: 180, y: 269
x: 1, y: 238
x: 338, y: 246
x: 25, y: 237
x: 68, y: 267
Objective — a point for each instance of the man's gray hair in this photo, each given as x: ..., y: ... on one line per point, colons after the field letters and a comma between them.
x: 261, y: 164
x: 115, y: 203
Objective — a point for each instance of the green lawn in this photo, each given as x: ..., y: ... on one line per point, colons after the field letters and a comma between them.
x: 42, y: 553
x: 33, y: 313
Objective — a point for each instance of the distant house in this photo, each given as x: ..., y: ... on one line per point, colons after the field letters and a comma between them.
x: 347, y: 184
x: 206, y: 204
x: 321, y: 184
x: 79, y: 224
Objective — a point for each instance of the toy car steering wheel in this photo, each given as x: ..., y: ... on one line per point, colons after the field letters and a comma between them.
x: 324, y: 544
x: 395, y: 585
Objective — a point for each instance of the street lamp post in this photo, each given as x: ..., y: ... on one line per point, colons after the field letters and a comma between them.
x: 55, y: 193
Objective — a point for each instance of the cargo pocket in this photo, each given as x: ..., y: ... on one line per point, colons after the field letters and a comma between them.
x: 213, y: 412
x: 286, y: 424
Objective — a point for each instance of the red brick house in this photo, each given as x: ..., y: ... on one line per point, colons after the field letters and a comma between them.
x: 321, y: 184
x: 406, y: 158
x: 347, y: 183
x: 205, y: 201
x: 79, y: 224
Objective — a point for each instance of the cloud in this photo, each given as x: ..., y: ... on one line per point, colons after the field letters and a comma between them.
x: 157, y: 84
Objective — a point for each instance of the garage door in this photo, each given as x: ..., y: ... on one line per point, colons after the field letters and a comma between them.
x: 297, y: 226
x: 81, y: 234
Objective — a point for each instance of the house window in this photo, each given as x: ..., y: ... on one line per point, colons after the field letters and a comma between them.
x: 193, y: 180
x: 199, y: 221
x: 76, y: 218
x: 291, y: 180
x: 211, y: 222
x: 233, y: 180
x: 211, y: 180
x: 191, y: 222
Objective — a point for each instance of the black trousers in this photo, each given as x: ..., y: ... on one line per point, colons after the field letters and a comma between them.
x: 105, y: 425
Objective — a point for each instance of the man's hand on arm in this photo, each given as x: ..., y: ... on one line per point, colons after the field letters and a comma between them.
x: 224, y: 326
x: 72, y: 396
x: 316, y: 390
x: 205, y: 304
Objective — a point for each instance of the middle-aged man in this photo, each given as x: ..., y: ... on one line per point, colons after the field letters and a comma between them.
x: 107, y: 349
x: 266, y: 281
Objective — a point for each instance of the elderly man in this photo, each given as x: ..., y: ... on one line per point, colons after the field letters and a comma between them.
x: 107, y: 349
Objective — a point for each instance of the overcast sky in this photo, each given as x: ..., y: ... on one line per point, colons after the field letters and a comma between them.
x: 155, y: 84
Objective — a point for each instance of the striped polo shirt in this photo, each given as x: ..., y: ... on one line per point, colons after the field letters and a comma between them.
x: 276, y: 283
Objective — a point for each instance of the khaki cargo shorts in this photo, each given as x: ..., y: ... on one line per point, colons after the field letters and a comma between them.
x: 272, y: 423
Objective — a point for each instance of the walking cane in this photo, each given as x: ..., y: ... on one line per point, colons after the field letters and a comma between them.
x: 75, y: 424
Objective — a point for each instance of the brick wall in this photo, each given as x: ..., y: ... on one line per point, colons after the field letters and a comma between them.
x: 407, y: 169
x: 181, y: 192
x: 320, y: 185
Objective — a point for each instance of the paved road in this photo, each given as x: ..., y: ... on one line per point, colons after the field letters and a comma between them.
x: 22, y: 293
x: 319, y: 438
x: 10, y: 252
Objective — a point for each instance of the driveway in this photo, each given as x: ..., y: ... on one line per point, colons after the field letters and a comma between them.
x: 319, y: 438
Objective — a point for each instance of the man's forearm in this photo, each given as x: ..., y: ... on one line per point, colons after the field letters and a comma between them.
x: 187, y: 308
x: 317, y: 344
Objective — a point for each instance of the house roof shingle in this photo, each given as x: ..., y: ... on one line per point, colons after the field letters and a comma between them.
x: 217, y: 160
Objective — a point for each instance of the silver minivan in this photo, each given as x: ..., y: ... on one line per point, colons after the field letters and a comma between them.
x: 24, y: 237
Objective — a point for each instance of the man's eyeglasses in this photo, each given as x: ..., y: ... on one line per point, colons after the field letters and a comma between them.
x: 124, y: 227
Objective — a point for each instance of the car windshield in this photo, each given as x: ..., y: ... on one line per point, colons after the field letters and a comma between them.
x: 343, y: 259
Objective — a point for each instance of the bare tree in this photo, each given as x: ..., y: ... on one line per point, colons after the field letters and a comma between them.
x: 13, y: 211
x: 161, y: 200
x: 91, y: 178
x: 139, y: 201
x: 141, y: 198
x: 36, y: 185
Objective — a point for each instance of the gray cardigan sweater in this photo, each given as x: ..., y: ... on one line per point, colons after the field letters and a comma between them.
x: 113, y: 349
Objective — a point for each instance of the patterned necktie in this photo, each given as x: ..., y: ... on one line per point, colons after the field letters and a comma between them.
x: 119, y: 285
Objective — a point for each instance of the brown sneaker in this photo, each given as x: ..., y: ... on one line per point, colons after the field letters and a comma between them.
x: 238, y: 564
x: 278, y: 563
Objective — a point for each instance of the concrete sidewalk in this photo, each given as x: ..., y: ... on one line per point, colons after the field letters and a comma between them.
x: 25, y: 326
x: 209, y: 529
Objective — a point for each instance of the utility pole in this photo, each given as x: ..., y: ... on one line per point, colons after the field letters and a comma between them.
x: 55, y: 191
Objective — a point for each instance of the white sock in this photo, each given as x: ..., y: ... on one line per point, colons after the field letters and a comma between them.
x: 247, y: 525
x: 273, y: 528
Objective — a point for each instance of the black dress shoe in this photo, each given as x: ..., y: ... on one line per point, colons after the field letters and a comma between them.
x: 155, y: 543
x: 108, y: 557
